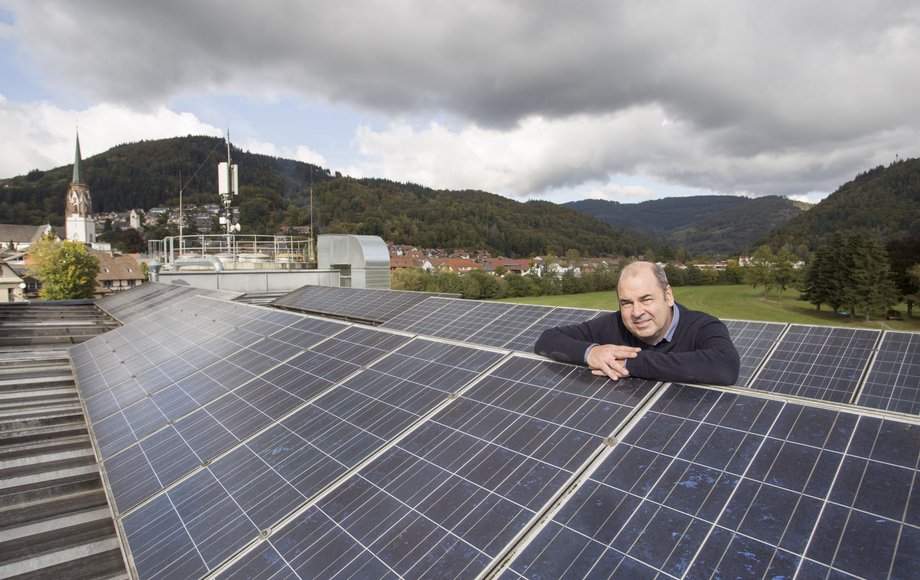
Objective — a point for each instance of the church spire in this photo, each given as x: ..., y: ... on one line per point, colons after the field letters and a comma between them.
x: 77, y: 163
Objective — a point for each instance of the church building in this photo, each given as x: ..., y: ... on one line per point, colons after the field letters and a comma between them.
x: 78, y: 209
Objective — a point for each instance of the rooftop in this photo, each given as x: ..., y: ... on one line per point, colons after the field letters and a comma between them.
x: 375, y: 433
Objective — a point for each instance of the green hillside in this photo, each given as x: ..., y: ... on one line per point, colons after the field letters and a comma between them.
x: 411, y: 214
x: 883, y: 202
x: 274, y: 193
x: 712, y: 224
x: 145, y: 175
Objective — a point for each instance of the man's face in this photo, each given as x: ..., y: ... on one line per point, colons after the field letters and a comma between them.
x: 644, y: 306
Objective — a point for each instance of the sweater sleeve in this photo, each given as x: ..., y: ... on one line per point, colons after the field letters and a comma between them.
x: 569, y: 343
x: 706, y: 357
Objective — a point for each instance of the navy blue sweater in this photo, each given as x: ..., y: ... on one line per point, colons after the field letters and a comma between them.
x: 700, y: 352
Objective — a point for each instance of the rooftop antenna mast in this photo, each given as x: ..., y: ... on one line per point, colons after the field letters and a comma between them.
x: 228, y: 187
x: 181, y: 217
x: 312, y: 256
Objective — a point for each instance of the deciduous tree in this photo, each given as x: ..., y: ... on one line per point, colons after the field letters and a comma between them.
x: 66, y: 269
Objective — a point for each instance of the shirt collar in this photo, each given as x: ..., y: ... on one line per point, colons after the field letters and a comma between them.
x: 675, y: 317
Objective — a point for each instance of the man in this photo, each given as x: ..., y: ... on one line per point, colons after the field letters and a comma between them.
x: 650, y: 337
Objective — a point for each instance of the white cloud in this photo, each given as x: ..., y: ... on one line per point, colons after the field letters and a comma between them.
x: 530, y: 100
x: 41, y: 135
x: 298, y: 153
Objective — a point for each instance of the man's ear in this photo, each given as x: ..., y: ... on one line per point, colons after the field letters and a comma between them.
x: 669, y: 295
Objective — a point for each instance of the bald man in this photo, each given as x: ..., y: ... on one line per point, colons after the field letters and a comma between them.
x: 650, y: 337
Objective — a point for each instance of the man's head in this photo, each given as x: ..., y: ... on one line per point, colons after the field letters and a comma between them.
x: 645, y: 301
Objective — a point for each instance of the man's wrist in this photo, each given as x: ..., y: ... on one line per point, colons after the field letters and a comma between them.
x: 588, y: 350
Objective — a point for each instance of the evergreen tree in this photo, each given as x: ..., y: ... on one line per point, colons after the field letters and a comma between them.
x: 872, y: 288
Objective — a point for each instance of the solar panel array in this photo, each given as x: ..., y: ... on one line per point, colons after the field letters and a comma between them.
x: 137, y: 302
x: 512, y: 326
x: 359, y: 304
x: 712, y: 484
x: 241, y: 441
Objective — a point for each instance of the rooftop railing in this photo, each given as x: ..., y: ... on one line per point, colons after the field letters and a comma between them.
x: 231, y: 249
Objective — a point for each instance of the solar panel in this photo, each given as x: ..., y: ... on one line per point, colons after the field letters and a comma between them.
x: 418, y: 312
x: 713, y: 484
x: 818, y: 362
x: 754, y: 341
x: 364, y: 304
x: 526, y: 339
x: 208, y: 412
x: 507, y: 325
x: 893, y: 382
x: 223, y: 507
x: 151, y: 298
x: 448, y: 498
x: 503, y: 325
x: 447, y: 314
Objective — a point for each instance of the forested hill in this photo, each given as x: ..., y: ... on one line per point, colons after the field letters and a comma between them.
x: 274, y: 193
x: 147, y: 174
x: 883, y: 202
x: 406, y: 213
x: 714, y: 224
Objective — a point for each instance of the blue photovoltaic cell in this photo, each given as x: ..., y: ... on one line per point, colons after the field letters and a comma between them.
x: 444, y: 317
x: 893, y: 382
x: 754, y: 341
x: 366, y: 304
x: 447, y: 499
x: 713, y: 484
x: 817, y: 362
x: 552, y: 318
x: 472, y: 320
x: 413, y: 315
x: 510, y: 323
x: 282, y: 467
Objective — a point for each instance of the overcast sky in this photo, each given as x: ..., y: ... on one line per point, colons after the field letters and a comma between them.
x: 531, y: 99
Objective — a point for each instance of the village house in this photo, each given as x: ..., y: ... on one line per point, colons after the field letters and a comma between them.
x: 117, y: 272
x: 12, y: 286
x: 458, y: 265
x: 19, y: 237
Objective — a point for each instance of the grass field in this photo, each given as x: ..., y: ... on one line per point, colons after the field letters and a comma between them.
x: 741, y: 303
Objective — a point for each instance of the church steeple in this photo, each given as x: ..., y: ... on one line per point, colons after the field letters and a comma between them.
x: 78, y: 208
x: 77, y: 163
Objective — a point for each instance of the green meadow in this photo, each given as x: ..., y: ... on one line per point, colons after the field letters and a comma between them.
x: 741, y: 303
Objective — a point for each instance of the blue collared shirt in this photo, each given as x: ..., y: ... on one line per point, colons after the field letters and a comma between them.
x: 675, y: 316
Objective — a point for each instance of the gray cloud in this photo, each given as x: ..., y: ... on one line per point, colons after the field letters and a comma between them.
x: 768, y: 96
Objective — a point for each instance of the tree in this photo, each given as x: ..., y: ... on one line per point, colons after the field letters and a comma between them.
x: 821, y: 282
x: 66, y: 269
x: 783, y: 270
x: 872, y: 288
x: 914, y: 274
x: 903, y: 256
x: 760, y: 271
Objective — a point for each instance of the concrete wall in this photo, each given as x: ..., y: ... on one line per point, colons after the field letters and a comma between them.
x: 252, y: 280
